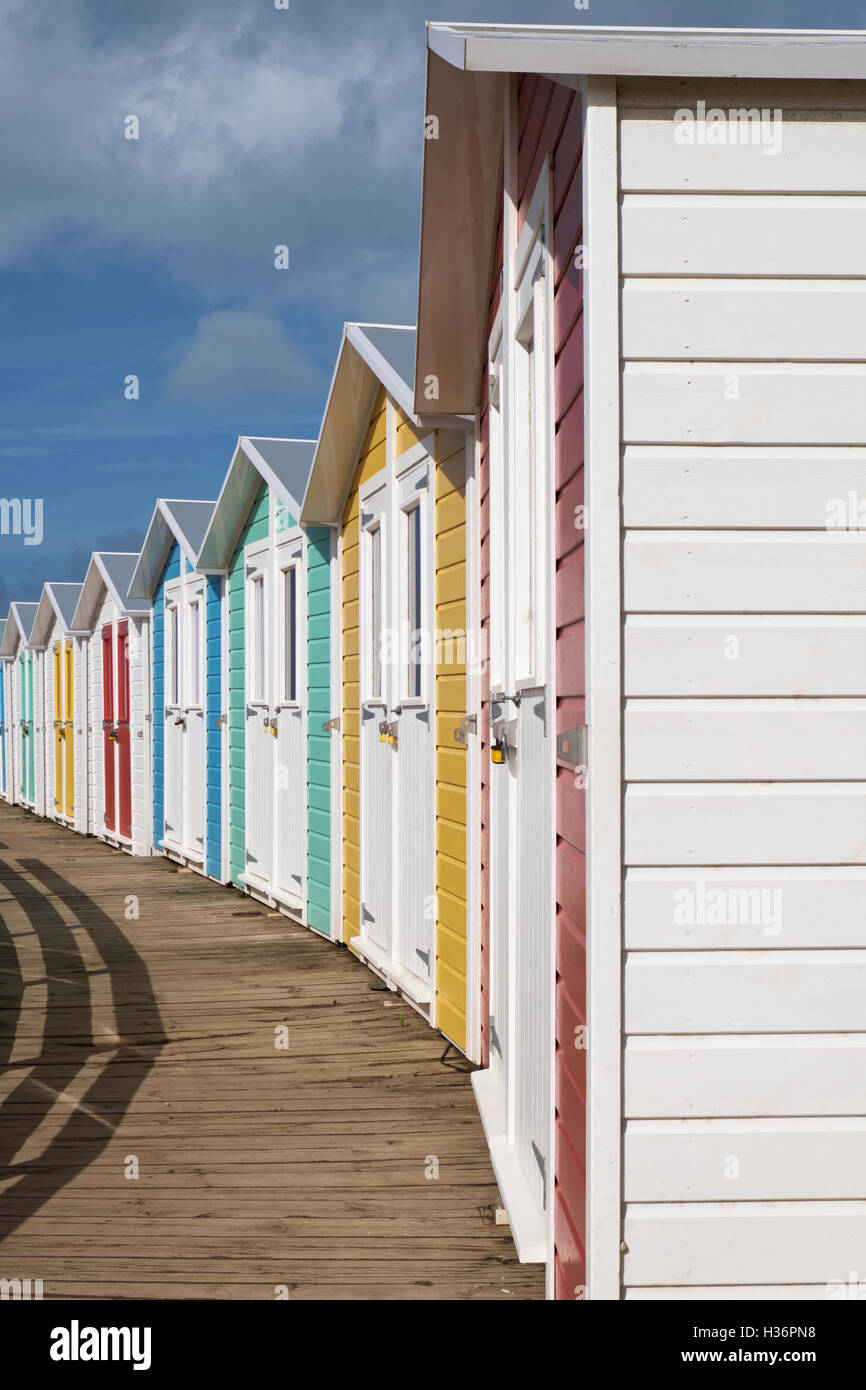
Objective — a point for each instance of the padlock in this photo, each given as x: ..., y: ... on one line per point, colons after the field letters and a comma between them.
x: 383, y: 731
x: 497, y: 751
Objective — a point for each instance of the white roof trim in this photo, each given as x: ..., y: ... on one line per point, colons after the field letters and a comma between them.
x: 396, y: 387
x: 158, y: 540
x: 287, y: 498
x: 216, y: 562
x: 336, y: 455
x: 651, y: 52
x: 48, y: 604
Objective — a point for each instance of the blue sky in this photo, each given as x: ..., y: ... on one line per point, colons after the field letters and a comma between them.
x: 258, y: 127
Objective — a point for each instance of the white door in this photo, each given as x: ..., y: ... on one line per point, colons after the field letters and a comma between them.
x: 376, y: 725
x: 194, y: 720
x: 522, y: 709
x: 173, y: 742
x: 260, y: 732
x: 413, y: 807
x: 287, y: 669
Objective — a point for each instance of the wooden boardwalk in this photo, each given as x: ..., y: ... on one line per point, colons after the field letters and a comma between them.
x: 148, y: 1043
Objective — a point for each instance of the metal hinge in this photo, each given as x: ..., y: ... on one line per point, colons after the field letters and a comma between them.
x: 467, y: 726
x: 331, y: 726
x: 572, y: 747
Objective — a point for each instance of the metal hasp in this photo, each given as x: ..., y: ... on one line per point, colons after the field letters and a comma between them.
x: 331, y: 726
x: 467, y: 726
x: 572, y: 747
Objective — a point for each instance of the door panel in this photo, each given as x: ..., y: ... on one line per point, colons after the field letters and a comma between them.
x: 173, y: 742
x: 193, y: 727
x: 288, y: 701
x: 522, y: 774
x: 108, y: 734
x: 123, y: 744
x: 3, y: 729
x: 260, y: 740
x: 377, y: 754
x: 69, y: 729
x: 31, y: 733
x: 413, y: 812
x: 59, y: 730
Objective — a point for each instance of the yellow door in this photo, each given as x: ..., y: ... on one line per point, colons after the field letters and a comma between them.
x: 69, y: 732
x: 58, y: 729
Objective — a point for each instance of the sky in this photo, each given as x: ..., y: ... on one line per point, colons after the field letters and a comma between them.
x: 154, y: 257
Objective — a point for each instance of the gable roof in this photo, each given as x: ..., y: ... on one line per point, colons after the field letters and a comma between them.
x: 172, y: 520
x: 110, y: 570
x: 466, y: 68
x: 19, y: 627
x: 371, y: 355
x: 57, y: 604
x: 283, y: 464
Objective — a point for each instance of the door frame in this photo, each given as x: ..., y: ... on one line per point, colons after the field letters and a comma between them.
x: 188, y: 673
x: 420, y: 994
x: 258, y: 565
x: 292, y: 539
x: 522, y: 662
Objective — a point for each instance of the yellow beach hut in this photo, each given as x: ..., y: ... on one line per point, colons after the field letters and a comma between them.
x: 406, y: 677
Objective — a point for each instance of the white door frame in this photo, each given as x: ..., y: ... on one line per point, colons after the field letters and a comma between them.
x: 290, y: 556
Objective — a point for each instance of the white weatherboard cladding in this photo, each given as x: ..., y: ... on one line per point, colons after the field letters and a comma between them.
x: 185, y: 717
x: 276, y: 716
x: 39, y: 732
x: 47, y: 742
x: 80, y: 696
x: 743, y: 367
x: 139, y: 702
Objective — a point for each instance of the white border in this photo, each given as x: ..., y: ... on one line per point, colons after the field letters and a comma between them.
x: 603, y: 689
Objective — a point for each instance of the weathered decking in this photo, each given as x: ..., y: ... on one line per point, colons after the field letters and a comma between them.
x: 154, y: 1040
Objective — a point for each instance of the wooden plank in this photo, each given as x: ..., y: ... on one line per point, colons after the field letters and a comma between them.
x: 744, y: 320
x: 760, y: 823
x: 782, y: 991
x: 257, y: 1166
x: 744, y: 403
x: 744, y: 1160
x: 716, y: 909
x: 769, y: 487
x: 751, y: 234
x: 735, y: 1243
x: 766, y: 1075
x: 743, y: 572
x: 811, y: 155
x: 745, y: 655
x: 710, y: 740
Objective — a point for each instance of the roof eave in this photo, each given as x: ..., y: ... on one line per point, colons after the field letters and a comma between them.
x: 591, y: 50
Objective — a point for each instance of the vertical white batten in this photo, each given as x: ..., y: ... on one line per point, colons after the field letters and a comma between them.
x: 603, y: 689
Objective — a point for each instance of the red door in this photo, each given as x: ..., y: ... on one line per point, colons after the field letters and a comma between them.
x: 124, y: 751
x: 108, y: 734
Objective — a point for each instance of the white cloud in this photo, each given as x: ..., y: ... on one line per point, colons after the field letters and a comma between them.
x: 238, y: 354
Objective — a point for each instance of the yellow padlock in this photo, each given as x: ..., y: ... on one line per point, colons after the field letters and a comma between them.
x: 497, y: 752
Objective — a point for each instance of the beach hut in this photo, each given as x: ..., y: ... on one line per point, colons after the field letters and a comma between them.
x: 645, y: 272
x: 395, y: 497
x: 276, y: 674
x: 64, y: 722
x: 118, y: 705
x: 6, y: 739
x: 186, y: 685
x: 26, y: 723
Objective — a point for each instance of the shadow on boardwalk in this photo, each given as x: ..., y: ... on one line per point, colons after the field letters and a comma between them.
x: 70, y: 1050
x: 296, y: 1128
